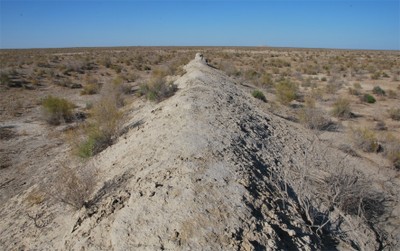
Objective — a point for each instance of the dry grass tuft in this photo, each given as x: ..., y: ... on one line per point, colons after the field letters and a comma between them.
x: 365, y: 140
x: 341, y: 108
x: 286, y: 91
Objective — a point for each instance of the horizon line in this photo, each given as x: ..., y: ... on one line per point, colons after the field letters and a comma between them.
x: 193, y: 46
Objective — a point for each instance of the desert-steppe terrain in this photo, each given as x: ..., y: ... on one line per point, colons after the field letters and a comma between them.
x: 232, y: 148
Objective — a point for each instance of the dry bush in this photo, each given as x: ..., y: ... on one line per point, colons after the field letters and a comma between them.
x: 391, y: 94
x: 314, y: 118
x: 92, y: 86
x: 355, y: 92
x: 286, y: 91
x: 365, y: 139
x: 74, y: 186
x: 392, y: 150
x: 229, y: 68
x: 334, y: 201
x: 351, y: 193
x: 57, y: 110
x: 266, y: 80
x: 394, y: 113
x: 357, y: 86
x: 333, y: 85
x: 341, y: 108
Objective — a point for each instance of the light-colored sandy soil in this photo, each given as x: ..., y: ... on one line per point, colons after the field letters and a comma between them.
x: 194, y: 172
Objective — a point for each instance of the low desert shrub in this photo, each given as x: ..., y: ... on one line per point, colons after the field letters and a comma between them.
x: 341, y: 108
x: 333, y: 85
x: 365, y: 140
x: 4, y: 78
x: 157, y: 89
x: 368, y: 98
x: 259, y: 95
x: 376, y: 75
x: 57, y: 110
x: 74, y: 186
x: 392, y: 94
x: 354, y: 92
x: 286, y: 91
x: 229, y: 68
x: 392, y: 150
x: 91, y: 88
x: 378, y: 91
x: 314, y: 118
x: 394, y: 113
x: 266, y: 80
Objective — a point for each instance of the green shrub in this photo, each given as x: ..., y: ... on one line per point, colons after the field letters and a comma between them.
x: 94, y: 142
x: 394, y: 113
x: 365, y: 140
x: 57, y: 110
x: 378, y: 91
x: 286, y: 91
x: 368, y: 98
x: 101, y: 131
x: 157, y: 89
x: 341, y: 108
x: 259, y: 95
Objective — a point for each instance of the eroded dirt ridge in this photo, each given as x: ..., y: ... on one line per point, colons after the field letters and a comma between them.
x: 203, y: 170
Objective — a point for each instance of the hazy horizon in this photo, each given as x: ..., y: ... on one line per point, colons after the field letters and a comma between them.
x: 364, y: 25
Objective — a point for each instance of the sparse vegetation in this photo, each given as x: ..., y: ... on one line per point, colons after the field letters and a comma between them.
x: 57, y: 110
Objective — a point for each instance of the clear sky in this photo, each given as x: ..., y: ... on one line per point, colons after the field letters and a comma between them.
x: 362, y: 24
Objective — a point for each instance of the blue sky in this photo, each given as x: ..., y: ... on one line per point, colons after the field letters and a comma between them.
x: 358, y: 24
